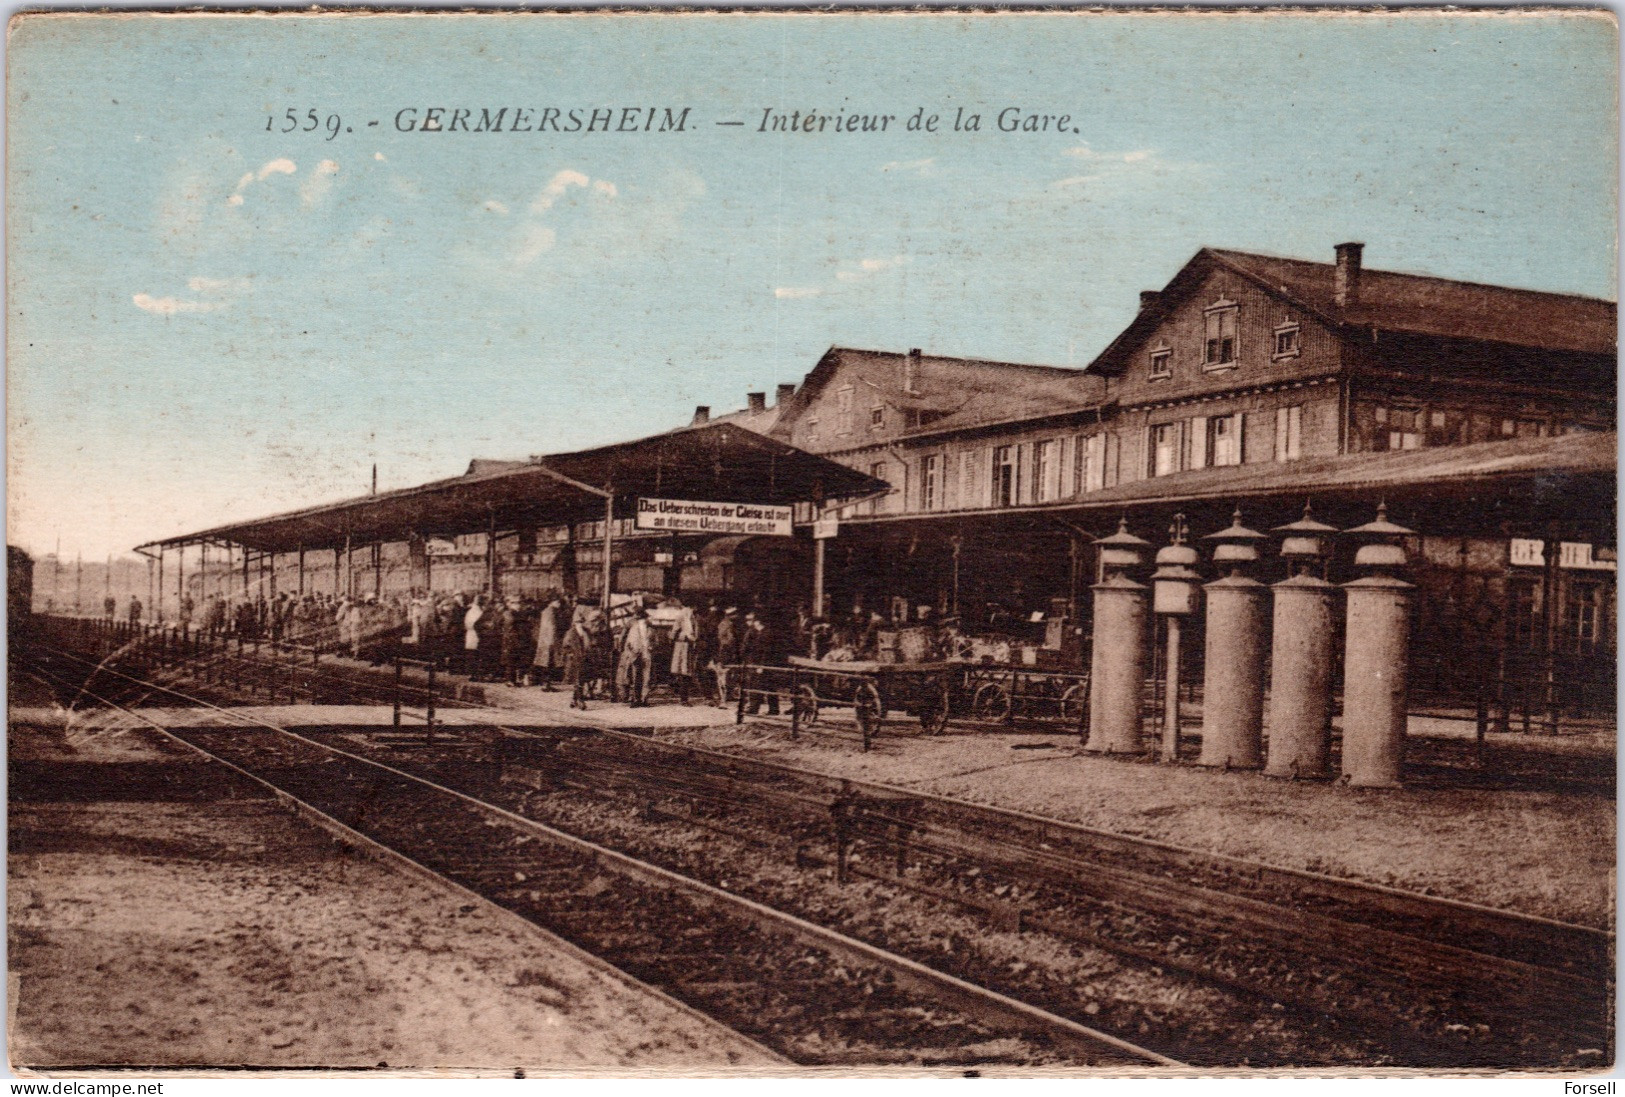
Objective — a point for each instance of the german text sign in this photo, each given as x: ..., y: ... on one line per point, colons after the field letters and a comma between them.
x: 696, y: 516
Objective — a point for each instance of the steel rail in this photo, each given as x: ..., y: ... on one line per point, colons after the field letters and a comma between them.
x: 1496, y: 921
x: 977, y: 1001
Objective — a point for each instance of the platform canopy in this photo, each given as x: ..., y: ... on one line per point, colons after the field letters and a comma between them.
x: 718, y: 463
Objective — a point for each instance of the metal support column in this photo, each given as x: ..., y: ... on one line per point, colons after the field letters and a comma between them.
x: 609, y: 548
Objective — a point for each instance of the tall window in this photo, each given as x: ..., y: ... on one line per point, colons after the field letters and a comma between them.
x: 1006, y: 476
x: 1581, y: 617
x: 878, y: 471
x: 1162, y: 362
x: 843, y: 405
x: 1221, y: 335
x: 812, y: 432
x: 1047, y: 470
x: 1224, y: 440
x: 1164, y: 449
x: 1091, y: 467
x: 967, y: 479
x: 877, y: 417
x: 1289, y: 433
x: 930, y: 491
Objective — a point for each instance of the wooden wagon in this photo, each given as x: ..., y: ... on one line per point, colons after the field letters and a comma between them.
x: 870, y: 689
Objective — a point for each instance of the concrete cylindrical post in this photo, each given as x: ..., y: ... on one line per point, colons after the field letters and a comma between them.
x: 1302, y: 655
x: 1117, y: 666
x: 1375, y: 664
x: 1233, y: 684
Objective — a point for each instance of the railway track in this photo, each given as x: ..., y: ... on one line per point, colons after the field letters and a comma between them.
x: 1437, y: 982
x: 1455, y: 968
x: 831, y: 1000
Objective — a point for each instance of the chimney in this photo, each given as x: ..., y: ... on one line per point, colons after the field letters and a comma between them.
x: 911, y: 372
x: 756, y: 402
x: 786, y: 391
x: 702, y: 415
x: 1346, y: 283
x: 1148, y: 297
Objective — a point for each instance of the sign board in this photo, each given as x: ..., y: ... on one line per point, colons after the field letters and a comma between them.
x: 827, y: 527
x: 696, y: 516
x: 439, y: 546
x: 1530, y: 552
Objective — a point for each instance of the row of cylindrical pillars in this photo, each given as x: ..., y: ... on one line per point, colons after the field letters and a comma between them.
x: 1239, y: 624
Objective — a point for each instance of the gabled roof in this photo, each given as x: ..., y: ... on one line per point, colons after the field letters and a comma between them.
x: 1387, y: 301
x: 966, y: 390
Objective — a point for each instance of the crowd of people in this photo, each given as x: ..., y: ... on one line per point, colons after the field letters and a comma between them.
x: 554, y: 641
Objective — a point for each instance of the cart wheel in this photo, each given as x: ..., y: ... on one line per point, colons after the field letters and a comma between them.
x: 806, y: 705
x: 867, y: 709
x: 934, y: 711
x: 1072, y: 703
x: 992, y: 702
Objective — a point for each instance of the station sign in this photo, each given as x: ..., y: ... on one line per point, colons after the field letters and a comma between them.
x: 439, y: 546
x: 1530, y: 552
x: 826, y: 527
x: 699, y: 516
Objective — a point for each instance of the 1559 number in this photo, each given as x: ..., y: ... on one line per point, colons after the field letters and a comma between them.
x: 309, y: 122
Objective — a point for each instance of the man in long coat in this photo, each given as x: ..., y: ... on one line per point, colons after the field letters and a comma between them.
x: 637, y: 655
x: 547, y: 643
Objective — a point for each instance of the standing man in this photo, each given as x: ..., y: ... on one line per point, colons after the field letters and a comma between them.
x: 547, y: 642
x: 637, y: 654
x: 727, y: 652
x: 135, y: 610
x: 684, y: 634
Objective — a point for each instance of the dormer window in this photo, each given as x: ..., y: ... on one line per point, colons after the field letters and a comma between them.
x: 877, y: 418
x: 1286, y: 341
x: 1162, y: 363
x: 1220, y: 352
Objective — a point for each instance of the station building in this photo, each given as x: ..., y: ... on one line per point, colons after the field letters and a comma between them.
x: 1482, y: 415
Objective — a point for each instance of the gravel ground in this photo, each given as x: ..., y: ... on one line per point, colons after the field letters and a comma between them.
x: 172, y: 933
x: 1549, y: 853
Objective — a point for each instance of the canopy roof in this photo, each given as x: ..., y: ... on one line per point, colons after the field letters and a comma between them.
x: 1515, y: 483
x: 719, y: 463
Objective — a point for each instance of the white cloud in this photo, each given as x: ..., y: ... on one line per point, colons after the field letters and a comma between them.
x: 318, y: 182
x: 533, y: 235
x: 169, y: 306
x: 556, y: 186
x: 919, y: 167
x: 200, y: 284
x: 1123, y: 168
x: 280, y: 166
x: 867, y: 268
x: 793, y: 292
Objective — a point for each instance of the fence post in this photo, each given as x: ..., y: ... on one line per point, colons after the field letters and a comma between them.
x: 744, y: 680
x: 396, y: 714
x: 795, y: 704
x: 429, y: 719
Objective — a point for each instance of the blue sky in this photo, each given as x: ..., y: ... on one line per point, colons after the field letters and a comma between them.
x: 208, y: 321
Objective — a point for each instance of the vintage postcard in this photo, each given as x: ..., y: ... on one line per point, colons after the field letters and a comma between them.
x: 868, y: 543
